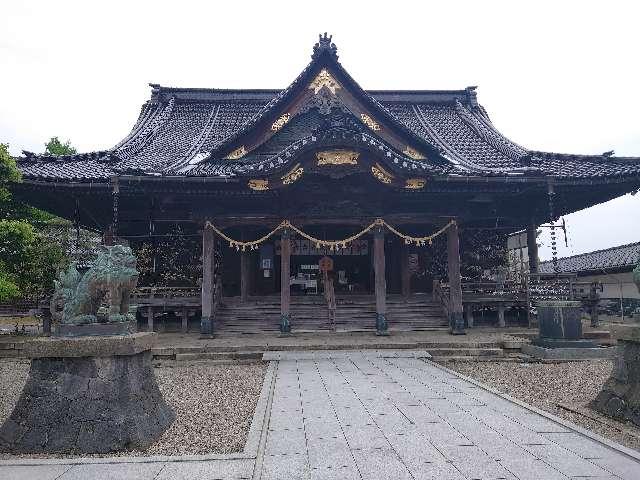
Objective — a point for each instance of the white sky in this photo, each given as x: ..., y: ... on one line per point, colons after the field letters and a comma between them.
x: 557, y: 76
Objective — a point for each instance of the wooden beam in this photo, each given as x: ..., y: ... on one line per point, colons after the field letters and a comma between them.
x: 285, y: 288
x: 208, y: 266
x: 380, y: 282
x: 456, y: 321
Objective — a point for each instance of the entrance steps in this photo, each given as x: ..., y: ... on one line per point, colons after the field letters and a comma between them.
x: 250, y: 351
x: 354, y: 313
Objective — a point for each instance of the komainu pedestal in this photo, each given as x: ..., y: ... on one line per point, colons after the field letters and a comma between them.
x: 620, y: 395
x: 88, y: 395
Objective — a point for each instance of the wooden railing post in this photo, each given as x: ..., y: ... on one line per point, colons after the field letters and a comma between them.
x: 456, y: 320
x: 208, y: 267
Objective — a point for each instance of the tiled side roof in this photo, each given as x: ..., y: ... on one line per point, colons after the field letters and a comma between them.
x: 624, y: 256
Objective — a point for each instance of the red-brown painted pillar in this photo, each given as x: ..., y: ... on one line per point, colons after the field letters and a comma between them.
x: 285, y: 287
x: 380, y: 282
x: 208, y: 282
x: 456, y: 320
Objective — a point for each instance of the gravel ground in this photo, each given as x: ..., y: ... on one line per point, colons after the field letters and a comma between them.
x: 214, y: 405
x: 545, y: 386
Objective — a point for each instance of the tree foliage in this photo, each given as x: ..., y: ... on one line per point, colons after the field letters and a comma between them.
x: 28, y: 257
x: 55, y: 147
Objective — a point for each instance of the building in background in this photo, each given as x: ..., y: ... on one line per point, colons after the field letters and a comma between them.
x: 612, y: 268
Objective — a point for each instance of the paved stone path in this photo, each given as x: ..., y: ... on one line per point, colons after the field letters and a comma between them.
x: 383, y: 415
x: 365, y: 417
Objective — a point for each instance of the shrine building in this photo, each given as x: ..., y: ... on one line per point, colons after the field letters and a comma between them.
x: 322, y: 182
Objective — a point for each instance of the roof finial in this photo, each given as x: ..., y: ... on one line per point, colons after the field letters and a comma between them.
x: 324, y: 45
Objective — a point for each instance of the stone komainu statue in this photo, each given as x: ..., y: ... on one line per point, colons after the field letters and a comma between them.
x: 113, y: 272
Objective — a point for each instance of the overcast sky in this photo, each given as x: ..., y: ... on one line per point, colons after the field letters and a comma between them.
x: 555, y: 76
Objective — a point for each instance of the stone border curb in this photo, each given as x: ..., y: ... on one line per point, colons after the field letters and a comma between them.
x: 249, y: 452
x: 565, y: 423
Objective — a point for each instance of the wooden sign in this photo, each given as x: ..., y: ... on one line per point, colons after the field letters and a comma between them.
x: 326, y: 264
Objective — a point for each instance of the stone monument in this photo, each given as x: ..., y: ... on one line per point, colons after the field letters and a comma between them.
x: 91, y: 387
x: 620, y: 395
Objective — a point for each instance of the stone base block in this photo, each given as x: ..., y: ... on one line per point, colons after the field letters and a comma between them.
x: 95, y: 329
x: 556, y: 353
x: 620, y: 395
x: 563, y: 343
x: 90, y: 404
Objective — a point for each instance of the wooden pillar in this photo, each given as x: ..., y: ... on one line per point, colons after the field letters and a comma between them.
x: 405, y: 274
x: 380, y: 282
x: 501, y: 321
x: 245, y: 260
x: 285, y: 287
x: 468, y: 314
x: 185, y: 320
x: 456, y: 322
x: 150, y: 314
x: 532, y: 248
x: 208, y: 266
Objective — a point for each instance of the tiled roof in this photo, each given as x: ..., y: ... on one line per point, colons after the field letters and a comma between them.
x: 179, y: 131
x: 622, y: 257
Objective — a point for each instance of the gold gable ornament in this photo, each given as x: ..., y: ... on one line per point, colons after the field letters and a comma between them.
x: 237, y: 153
x: 381, y: 174
x: 324, y: 79
x: 281, y: 122
x: 415, y: 183
x: 370, y: 122
x: 259, y: 185
x: 293, y: 175
x: 337, y: 157
x: 412, y: 153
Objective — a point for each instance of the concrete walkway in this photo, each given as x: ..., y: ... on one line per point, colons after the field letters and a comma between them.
x: 382, y: 415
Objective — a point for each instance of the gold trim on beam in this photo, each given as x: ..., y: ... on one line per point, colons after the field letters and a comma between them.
x: 258, y: 185
x: 294, y: 174
x: 324, y: 79
x: 412, y: 153
x: 381, y: 174
x: 370, y: 122
x: 281, y: 122
x: 337, y: 157
x: 415, y: 183
x: 237, y: 153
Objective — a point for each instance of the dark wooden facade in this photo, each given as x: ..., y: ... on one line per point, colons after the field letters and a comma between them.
x: 327, y: 156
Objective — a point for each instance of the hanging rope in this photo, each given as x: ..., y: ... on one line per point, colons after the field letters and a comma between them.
x: 331, y: 244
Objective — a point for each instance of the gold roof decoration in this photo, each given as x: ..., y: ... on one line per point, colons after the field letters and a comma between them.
x: 412, y: 153
x: 237, y: 153
x: 294, y: 174
x: 370, y: 122
x: 337, y: 157
x: 381, y: 174
x: 259, y: 185
x: 281, y: 122
x: 415, y: 183
x: 324, y: 79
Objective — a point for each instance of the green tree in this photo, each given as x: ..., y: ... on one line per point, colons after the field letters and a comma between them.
x: 8, y: 173
x: 56, y: 147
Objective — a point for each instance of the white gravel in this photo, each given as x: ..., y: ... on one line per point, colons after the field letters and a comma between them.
x: 214, y: 405
x: 545, y: 386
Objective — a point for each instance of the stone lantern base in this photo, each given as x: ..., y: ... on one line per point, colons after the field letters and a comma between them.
x: 620, y: 395
x: 87, y: 395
